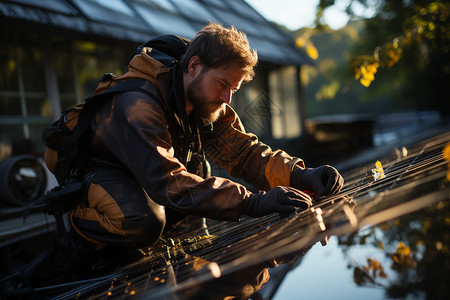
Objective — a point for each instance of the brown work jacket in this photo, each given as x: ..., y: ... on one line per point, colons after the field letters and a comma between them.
x: 133, y: 127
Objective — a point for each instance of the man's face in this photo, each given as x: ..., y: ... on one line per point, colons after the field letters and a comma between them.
x: 211, y: 89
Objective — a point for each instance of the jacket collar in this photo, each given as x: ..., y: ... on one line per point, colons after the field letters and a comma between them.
x: 177, y: 100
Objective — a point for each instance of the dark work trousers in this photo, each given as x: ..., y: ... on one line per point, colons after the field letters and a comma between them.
x: 116, y: 211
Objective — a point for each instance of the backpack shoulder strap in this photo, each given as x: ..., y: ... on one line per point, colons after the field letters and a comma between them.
x: 93, y: 103
x: 77, y: 155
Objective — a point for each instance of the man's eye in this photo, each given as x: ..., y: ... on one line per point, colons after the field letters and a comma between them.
x: 221, y: 84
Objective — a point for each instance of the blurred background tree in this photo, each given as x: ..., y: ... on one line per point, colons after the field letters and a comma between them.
x: 396, y: 60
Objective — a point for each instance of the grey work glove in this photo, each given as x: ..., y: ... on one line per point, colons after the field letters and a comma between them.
x: 324, y: 180
x: 281, y: 199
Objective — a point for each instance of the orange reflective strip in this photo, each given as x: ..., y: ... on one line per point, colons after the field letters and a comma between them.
x: 279, y: 168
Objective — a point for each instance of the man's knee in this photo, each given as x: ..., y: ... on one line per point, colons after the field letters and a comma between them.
x: 149, y: 228
x: 122, y: 208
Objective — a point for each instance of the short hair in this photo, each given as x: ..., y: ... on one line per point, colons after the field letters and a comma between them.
x: 218, y: 46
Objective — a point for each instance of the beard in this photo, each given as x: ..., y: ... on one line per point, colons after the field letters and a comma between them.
x: 207, y: 110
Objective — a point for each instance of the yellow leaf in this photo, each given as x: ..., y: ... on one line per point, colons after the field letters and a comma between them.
x: 431, y: 26
x: 369, y: 76
x: 199, y: 263
x: 420, y: 29
x: 365, y: 82
x: 363, y: 70
x: 395, y: 259
x: 376, y: 264
x: 378, y: 172
x: 402, y: 249
x: 433, y: 7
x: 312, y: 51
x: 372, y: 68
x: 391, y: 53
x: 395, y: 44
x: 379, y: 165
x: 11, y: 65
x: 446, y: 152
x: 300, y: 42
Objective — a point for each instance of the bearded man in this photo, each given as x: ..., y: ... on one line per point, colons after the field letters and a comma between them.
x: 146, y: 163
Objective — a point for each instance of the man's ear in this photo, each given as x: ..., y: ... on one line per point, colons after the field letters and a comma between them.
x: 194, y: 65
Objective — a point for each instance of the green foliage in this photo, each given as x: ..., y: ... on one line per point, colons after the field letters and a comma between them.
x: 330, y: 86
x: 410, y: 41
x: 399, y: 57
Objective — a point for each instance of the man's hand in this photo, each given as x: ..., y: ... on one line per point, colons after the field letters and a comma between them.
x: 324, y: 180
x: 280, y: 199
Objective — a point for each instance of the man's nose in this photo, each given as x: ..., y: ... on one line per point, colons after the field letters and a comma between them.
x: 225, y: 96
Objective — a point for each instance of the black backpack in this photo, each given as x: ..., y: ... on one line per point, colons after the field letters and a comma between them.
x: 64, y: 155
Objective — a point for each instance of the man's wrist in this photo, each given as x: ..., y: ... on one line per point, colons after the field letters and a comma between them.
x: 296, y: 177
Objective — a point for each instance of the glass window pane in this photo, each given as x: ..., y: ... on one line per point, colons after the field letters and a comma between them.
x: 92, y: 61
x: 64, y: 66
x: 284, y: 99
x: 67, y: 102
x: 166, y: 23
x: 66, y: 82
x: 231, y: 18
x: 38, y: 106
x: 258, y: 28
x: 31, y: 64
x: 167, y: 5
x: 8, y: 68
x: 10, y: 106
x: 241, y: 7
x: 110, y: 11
x: 8, y: 135
x: 90, y: 69
x: 254, y: 108
x: 54, y: 5
x: 63, y: 60
x: 88, y: 74
x: 194, y: 9
x: 273, y: 34
x: 36, y: 136
x: 266, y: 50
x: 219, y: 3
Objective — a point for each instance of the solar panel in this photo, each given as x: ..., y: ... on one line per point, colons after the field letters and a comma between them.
x: 229, y: 258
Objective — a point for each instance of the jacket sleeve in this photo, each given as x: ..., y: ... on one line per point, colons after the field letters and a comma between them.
x: 243, y: 156
x: 134, y: 129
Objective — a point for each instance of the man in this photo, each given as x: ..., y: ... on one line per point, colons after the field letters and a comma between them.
x: 146, y: 155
